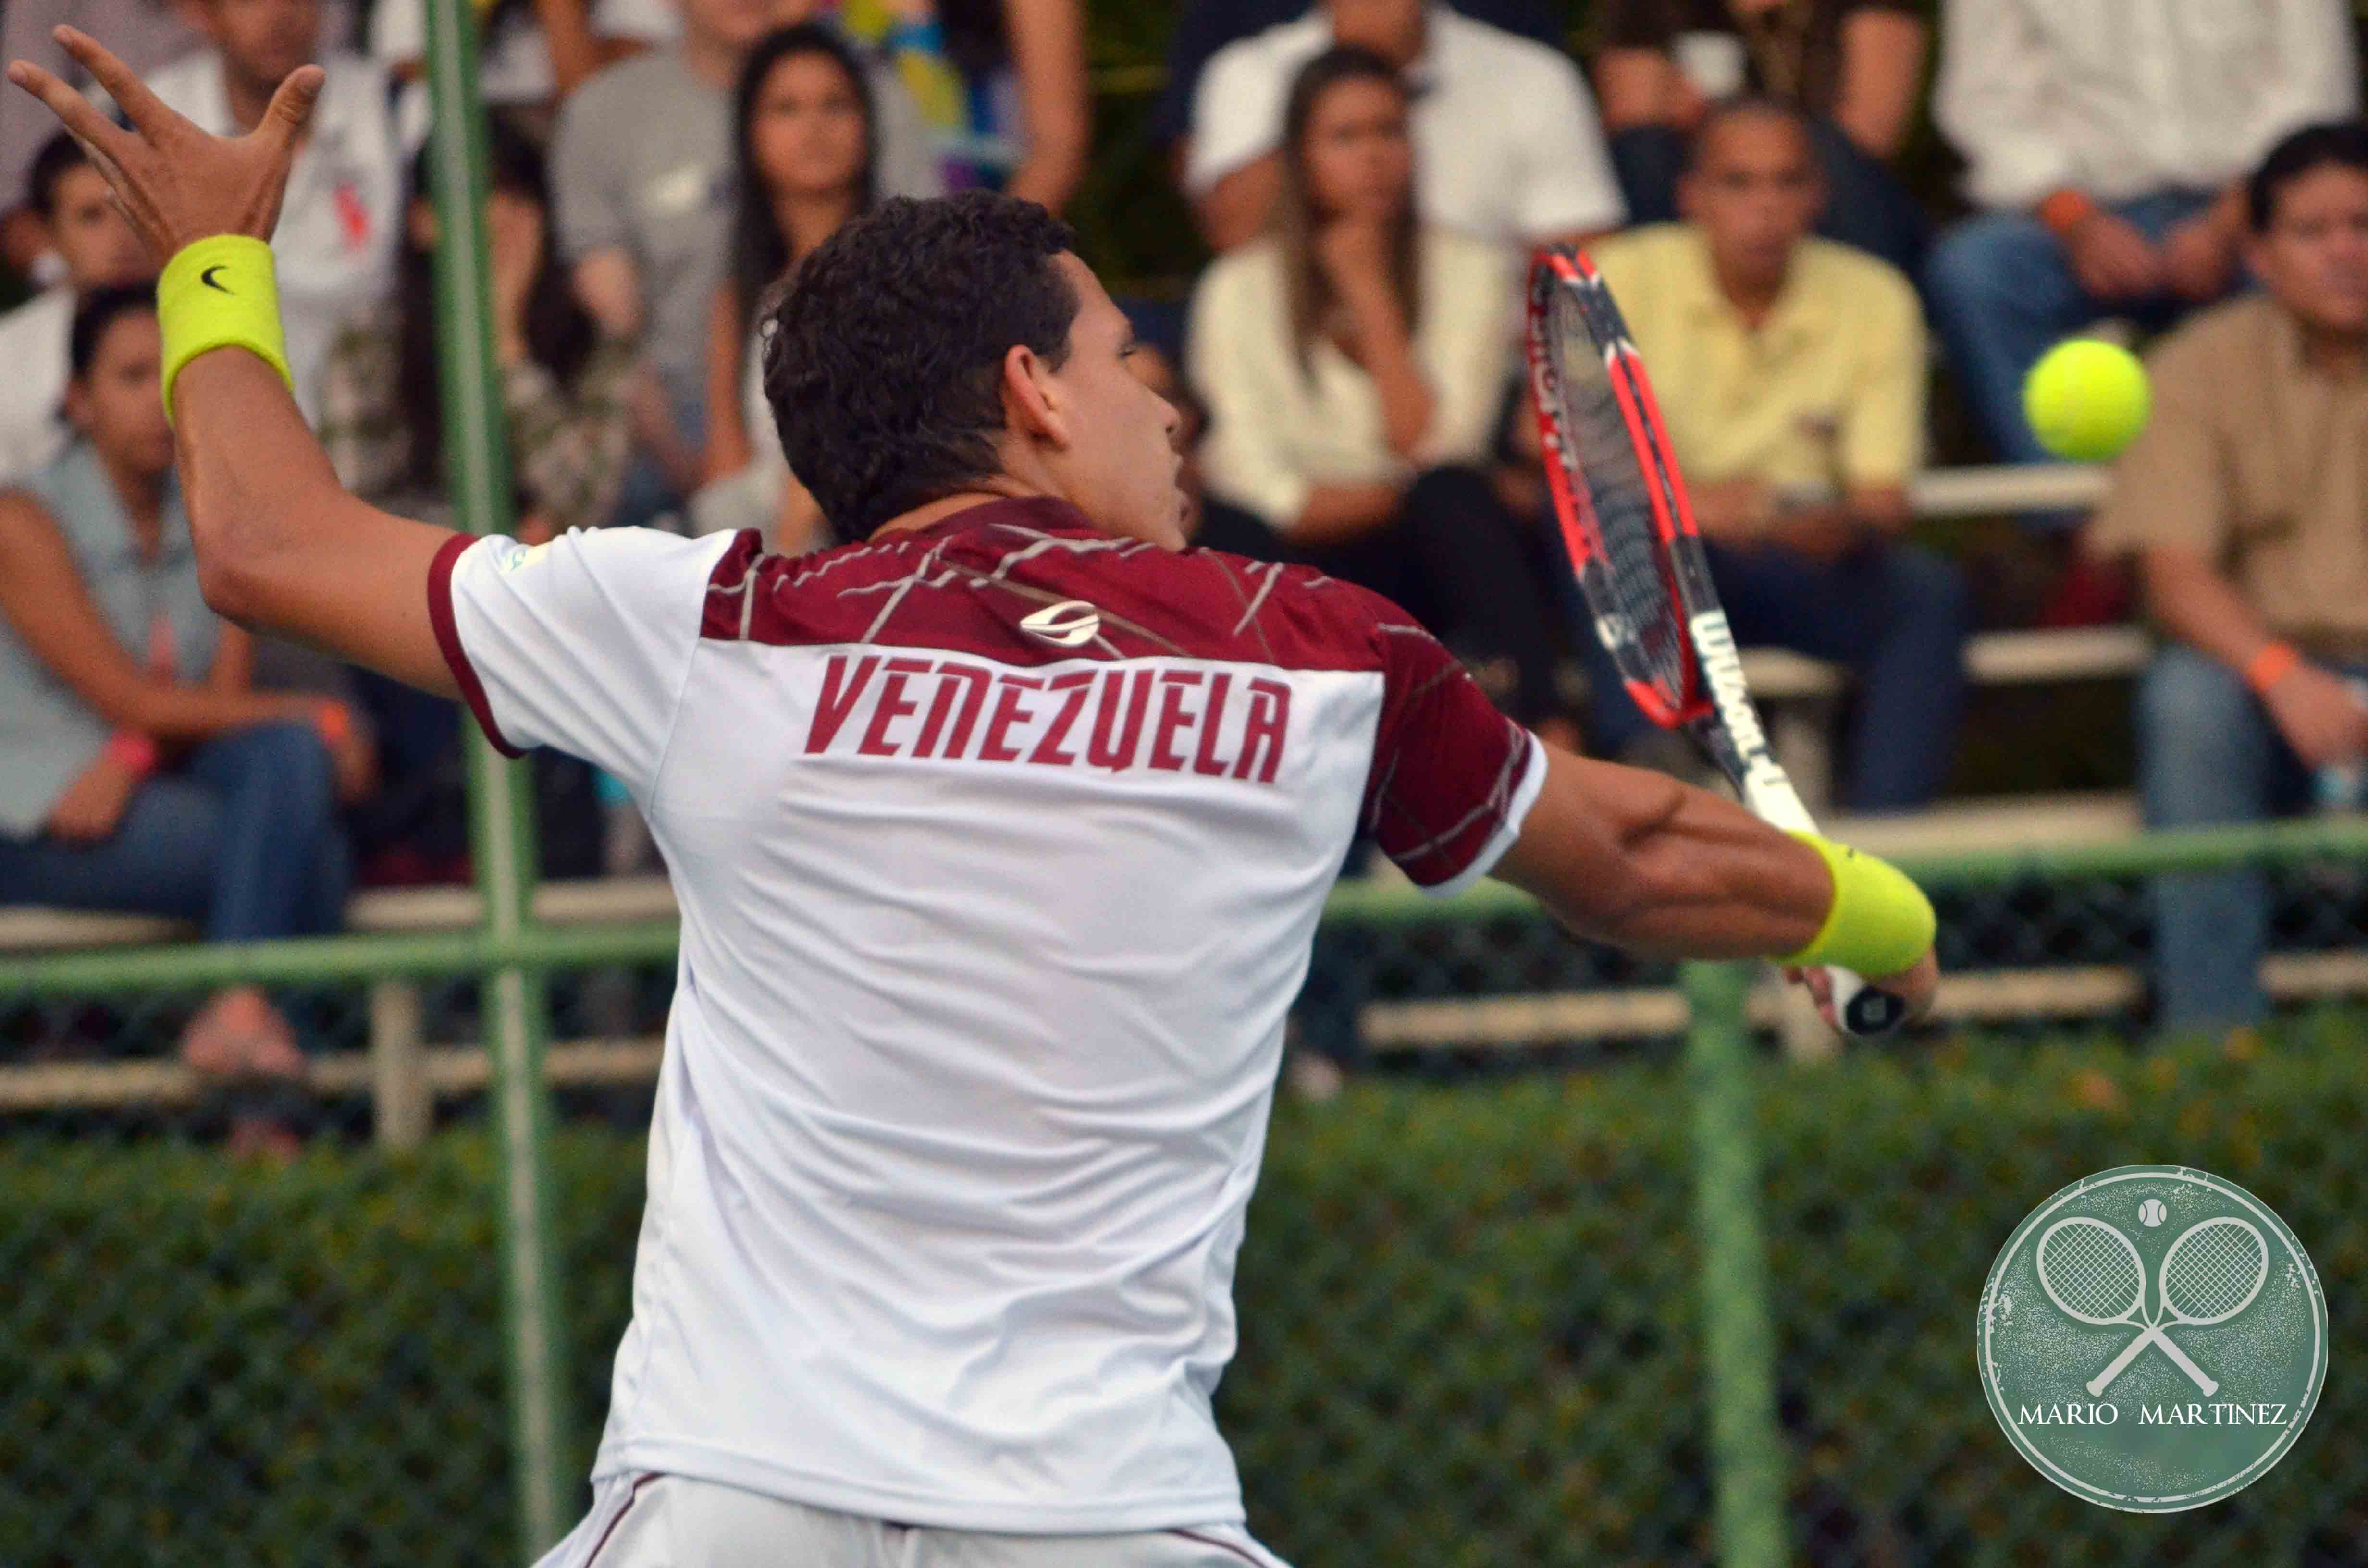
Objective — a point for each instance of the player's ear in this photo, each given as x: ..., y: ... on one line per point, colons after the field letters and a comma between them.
x: 1032, y: 404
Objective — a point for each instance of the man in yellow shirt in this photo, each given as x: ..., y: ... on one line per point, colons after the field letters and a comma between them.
x: 1790, y: 371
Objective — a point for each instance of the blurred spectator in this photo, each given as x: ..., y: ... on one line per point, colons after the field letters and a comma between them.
x: 1790, y: 371
x: 145, y: 34
x: 563, y: 379
x: 1353, y: 361
x: 642, y: 171
x: 1852, y: 66
x: 801, y: 141
x: 1203, y: 26
x: 1506, y: 140
x: 1002, y: 82
x: 136, y: 769
x: 531, y: 54
x: 564, y: 385
x: 80, y: 220
x: 2246, y: 504
x: 2107, y: 142
x: 335, y: 243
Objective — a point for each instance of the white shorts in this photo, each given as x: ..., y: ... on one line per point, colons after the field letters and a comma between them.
x: 673, y: 1522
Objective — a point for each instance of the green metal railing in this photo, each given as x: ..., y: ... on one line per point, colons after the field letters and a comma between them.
x: 510, y: 953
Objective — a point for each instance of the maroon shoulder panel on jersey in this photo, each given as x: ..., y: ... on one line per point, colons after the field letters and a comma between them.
x: 1446, y: 763
x: 1029, y: 582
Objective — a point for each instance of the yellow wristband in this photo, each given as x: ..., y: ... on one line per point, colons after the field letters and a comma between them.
x: 1880, y: 922
x: 220, y: 292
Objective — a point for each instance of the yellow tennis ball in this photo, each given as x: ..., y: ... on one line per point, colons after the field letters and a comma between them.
x: 2087, y: 400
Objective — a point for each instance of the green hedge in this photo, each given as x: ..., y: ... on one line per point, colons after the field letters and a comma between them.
x: 1469, y: 1328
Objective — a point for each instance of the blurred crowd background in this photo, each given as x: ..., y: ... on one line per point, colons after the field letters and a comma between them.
x: 1842, y: 230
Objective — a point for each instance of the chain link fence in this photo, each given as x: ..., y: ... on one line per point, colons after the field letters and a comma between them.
x: 1472, y: 1326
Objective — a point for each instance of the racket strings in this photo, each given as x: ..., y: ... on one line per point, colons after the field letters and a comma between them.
x: 1643, y: 627
x: 2091, y: 1273
x: 2213, y: 1272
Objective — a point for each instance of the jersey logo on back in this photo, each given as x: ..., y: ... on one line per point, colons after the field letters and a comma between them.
x: 1071, y: 623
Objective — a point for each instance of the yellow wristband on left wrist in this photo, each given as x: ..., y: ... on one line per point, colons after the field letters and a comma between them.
x: 220, y: 292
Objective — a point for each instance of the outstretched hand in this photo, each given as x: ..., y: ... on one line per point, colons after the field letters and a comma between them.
x: 176, y: 182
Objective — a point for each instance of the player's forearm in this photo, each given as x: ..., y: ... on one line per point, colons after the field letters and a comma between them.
x: 1702, y: 877
x: 253, y: 477
x: 1636, y: 858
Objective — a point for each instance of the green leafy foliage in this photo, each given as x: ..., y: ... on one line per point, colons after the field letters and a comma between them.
x: 1469, y: 1325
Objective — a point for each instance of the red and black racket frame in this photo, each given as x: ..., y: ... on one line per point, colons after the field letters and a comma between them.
x: 1565, y: 269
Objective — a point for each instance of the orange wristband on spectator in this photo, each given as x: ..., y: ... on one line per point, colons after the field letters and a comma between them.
x: 132, y: 752
x: 335, y: 724
x: 2272, y: 665
x: 2063, y: 210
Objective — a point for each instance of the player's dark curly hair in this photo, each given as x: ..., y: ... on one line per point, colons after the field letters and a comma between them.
x: 884, y: 353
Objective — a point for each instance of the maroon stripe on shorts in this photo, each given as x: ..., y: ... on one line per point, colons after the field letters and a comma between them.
x: 1226, y: 1546
x: 631, y: 1498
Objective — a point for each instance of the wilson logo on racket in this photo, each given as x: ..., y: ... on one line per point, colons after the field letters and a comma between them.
x: 1722, y: 669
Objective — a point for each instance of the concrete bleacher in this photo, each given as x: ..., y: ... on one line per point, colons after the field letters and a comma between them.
x: 404, y: 1078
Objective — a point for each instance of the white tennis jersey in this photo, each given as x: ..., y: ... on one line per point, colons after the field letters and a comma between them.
x: 1000, y: 846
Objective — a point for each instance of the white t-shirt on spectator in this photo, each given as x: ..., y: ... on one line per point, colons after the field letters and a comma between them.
x: 1279, y: 427
x: 514, y: 63
x: 956, y: 1127
x: 2142, y: 95
x: 341, y: 221
x: 1507, y: 144
x: 35, y: 345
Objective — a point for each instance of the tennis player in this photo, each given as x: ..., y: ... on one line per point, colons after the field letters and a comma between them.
x: 999, y: 834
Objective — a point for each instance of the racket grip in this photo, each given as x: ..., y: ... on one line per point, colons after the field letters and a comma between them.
x: 1862, y: 1010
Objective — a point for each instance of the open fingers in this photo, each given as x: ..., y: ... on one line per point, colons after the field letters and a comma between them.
x: 291, y: 105
x: 98, y: 134
x: 144, y: 109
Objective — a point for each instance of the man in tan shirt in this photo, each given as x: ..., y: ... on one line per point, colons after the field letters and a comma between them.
x: 2245, y: 505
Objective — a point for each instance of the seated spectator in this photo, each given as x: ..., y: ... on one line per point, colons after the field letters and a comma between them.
x: 80, y: 219
x: 145, y: 34
x: 136, y: 769
x: 1506, y: 145
x: 1203, y: 26
x: 2107, y: 144
x: 1790, y: 371
x: 2245, y: 505
x: 563, y: 379
x: 802, y: 139
x: 564, y: 388
x: 335, y: 243
x: 641, y: 168
x: 531, y: 54
x: 1852, y: 66
x: 1353, y: 362
x: 1001, y: 82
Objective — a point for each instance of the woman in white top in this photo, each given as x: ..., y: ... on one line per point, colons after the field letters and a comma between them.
x: 803, y: 150
x: 1354, y: 362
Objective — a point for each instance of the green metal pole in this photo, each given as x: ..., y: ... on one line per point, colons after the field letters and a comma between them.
x: 477, y: 467
x: 1747, y: 1470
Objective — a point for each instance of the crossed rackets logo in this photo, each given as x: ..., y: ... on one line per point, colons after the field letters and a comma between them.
x: 2093, y: 1272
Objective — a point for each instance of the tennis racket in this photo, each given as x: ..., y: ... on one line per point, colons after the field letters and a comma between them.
x: 2211, y: 1273
x: 1638, y: 559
